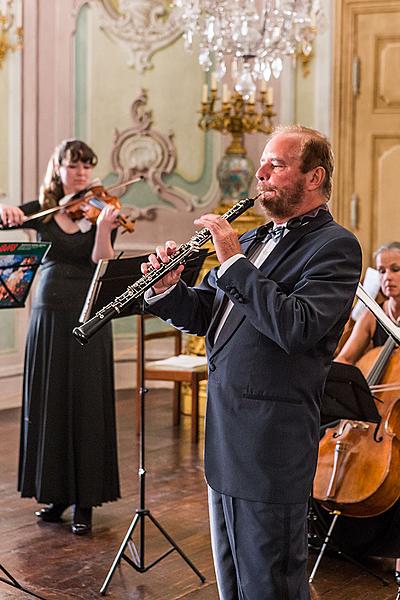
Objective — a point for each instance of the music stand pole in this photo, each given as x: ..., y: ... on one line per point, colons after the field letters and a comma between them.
x: 138, y: 557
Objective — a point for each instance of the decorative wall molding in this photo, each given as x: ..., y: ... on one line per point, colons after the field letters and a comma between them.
x: 140, y: 27
x: 143, y: 151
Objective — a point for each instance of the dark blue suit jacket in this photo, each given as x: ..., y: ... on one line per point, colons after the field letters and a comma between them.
x: 268, y: 367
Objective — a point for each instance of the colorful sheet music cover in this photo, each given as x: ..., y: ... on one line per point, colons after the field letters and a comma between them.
x: 19, y: 262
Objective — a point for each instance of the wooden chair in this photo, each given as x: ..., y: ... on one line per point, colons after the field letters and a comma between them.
x: 173, y: 369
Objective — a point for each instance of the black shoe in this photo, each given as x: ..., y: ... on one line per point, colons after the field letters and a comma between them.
x: 51, y: 513
x: 397, y: 577
x: 82, y: 520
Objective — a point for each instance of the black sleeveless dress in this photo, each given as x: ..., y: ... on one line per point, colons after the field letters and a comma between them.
x: 68, y: 448
x: 370, y: 536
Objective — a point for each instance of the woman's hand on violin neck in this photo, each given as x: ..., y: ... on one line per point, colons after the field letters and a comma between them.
x: 11, y: 215
x: 107, y: 219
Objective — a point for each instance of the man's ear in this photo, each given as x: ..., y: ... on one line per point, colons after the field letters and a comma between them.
x: 316, y: 178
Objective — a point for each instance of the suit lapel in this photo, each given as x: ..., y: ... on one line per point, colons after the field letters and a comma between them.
x: 247, y: 243
x: 231, y: 324
x: 290, y: 239
x: 236, y: 317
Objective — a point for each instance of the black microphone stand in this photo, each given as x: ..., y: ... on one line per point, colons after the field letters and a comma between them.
x: 138, y: 555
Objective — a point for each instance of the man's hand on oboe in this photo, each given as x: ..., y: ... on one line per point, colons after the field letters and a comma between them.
x: 224, y: 237
x: 156, y: 260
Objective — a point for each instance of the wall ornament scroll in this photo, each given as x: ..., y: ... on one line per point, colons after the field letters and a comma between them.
x: 140, y: 27
x: 141, y: 150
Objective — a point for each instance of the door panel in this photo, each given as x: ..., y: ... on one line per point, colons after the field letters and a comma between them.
x: 367, y: 121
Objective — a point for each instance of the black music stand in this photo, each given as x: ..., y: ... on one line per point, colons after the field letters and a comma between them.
x: 112, y: 278
x: 19, y: 262
x: 346, y: 396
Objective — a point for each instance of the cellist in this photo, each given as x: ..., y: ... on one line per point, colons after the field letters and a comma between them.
x: 380, y: 535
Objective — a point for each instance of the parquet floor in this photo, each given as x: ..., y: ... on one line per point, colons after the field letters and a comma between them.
x: 47, y: 559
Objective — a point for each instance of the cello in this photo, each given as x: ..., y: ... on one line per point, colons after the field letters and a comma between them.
x: 359, y: 462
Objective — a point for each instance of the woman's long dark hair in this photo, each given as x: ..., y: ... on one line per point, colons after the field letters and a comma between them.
x: 69, y: 151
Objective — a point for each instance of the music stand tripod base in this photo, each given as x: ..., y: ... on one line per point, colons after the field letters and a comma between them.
x: 15, y: 584
x: 138, y: 557
x: 137, y: 560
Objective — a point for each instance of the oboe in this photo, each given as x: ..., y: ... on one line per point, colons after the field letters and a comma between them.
x: 133, y: 292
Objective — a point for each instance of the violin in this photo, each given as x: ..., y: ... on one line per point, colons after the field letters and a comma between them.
x: 92, y: 203
x: 88, y: 203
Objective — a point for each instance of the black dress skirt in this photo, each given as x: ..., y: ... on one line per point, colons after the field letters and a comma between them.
x: 68, y: 449
x: 369, y: 536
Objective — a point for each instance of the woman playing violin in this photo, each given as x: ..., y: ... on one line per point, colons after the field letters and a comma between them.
x: 380, y: 535
x: 68, y: 452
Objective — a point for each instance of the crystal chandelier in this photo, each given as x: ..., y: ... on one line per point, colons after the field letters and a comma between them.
x: 252, y: 43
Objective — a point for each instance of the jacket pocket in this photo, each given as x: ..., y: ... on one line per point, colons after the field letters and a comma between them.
x: 266, y: 397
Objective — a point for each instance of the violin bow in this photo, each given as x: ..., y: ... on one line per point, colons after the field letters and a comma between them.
x: 80, y: 196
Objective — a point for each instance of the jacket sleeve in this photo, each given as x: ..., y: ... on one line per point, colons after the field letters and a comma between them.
x: 188, y: 309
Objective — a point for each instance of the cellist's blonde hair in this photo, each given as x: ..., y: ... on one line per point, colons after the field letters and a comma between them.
x: 384, y: 247
x: 69, y: 151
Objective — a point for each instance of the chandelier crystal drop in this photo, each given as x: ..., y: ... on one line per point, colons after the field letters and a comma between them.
x: 251, y: 42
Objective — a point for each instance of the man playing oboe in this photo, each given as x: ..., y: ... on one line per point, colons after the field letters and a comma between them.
x: 272, y: 314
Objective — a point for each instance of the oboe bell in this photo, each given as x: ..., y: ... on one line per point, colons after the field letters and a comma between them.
x: 84, y: 332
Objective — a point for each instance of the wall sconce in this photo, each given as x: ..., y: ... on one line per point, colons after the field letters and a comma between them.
x: 11, y: 38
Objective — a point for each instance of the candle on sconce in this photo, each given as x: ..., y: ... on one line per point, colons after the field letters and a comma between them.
x: 204, y: 94
x: 213, y: 81
x: 263, y: 85
x: 225, y: 93
x: 270, y: 96
x: 252, y: 98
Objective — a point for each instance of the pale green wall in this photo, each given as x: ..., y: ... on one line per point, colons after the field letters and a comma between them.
x: 7, y: 331
x: 106, y: 88
x: 305, y: 96
x: 7, y: 316
x: 4, y: 107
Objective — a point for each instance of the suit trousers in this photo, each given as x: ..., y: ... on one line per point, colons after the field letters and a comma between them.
x: 259, y: 549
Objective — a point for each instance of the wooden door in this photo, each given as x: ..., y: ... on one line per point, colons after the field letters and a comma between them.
x: 367, y: 121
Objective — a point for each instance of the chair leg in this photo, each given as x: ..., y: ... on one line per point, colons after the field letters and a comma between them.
x: 176, y: 408
x: 195, y: 409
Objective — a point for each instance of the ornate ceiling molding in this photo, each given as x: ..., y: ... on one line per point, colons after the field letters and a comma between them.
x: 140, y: 27
x: 142, y: 151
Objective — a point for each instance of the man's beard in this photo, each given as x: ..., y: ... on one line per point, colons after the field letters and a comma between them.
x: 284, y: 203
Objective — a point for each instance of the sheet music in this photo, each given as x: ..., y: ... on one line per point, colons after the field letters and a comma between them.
x: 371, y: 285
x: 391, y: 328
x: 180, y: 361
